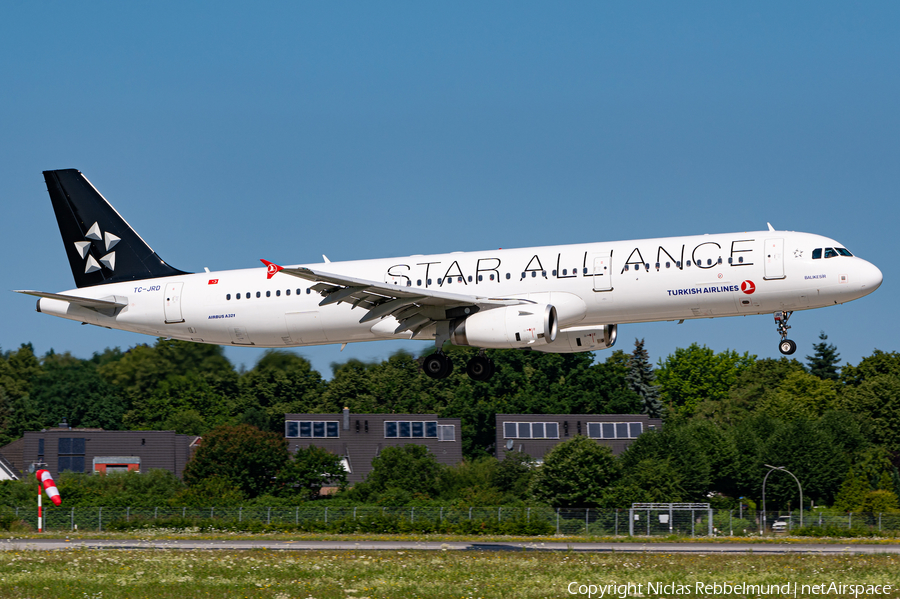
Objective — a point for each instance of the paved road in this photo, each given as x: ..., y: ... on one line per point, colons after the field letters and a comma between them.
x: 57, y: 544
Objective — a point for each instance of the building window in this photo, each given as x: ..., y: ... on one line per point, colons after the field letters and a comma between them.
x: 71, y: 454
x: 615, y: 430
x: 531, y: 430
x: 446, y: 432
x: 311, y: 429
x: 404, y: 429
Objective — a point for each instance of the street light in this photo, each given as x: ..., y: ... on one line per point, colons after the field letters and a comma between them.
x: 783, y: 469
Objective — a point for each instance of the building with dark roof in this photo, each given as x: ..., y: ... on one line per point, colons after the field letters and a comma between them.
x: 536, y: 434
x: 360, y: 438
x: 65, y: 449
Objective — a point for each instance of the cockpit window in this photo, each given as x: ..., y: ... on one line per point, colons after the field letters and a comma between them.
x: 843, y: 252
x: 817, y: 253
x: 830, y: 253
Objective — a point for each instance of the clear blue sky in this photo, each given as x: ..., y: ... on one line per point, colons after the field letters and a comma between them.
x: 232, y: 131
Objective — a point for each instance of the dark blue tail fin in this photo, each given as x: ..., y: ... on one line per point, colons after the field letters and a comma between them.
x: 101, y: 247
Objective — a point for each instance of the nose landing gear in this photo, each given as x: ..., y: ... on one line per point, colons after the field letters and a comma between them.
x: 785, y: 346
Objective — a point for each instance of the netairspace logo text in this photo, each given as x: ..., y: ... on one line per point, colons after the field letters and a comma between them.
x: 720, y: 589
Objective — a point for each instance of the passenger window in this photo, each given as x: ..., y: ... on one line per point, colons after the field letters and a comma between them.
x: 830, y: 253
x: 248, y: 295
x: 678, y: 264
x: 470, y: 278
x: 237, y: 296
x: 720, y: 260
x: 817, y: 254
x: 429, y: 281
x: 308, y: 291
x: 741, y: 260
x: 459, y: 279
x: 268, y: 294
x: 287, y: 292
x: 565, y: 271
x: 709, y: 262
x: 585, y: 271
x: 449, y: 280
x: 419, y: 282
x: 657, y: 266
x: 688, y: 262
x: 278, y: 293
x: 533, y: 274
x: 626, y: 267
x: 258, y: 294
x: 508, y: 276
x: 228, y: 296
x: 492, y: 277
x: 668, y: 265
x: 439, y: 281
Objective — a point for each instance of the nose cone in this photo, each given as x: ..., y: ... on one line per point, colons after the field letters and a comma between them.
x: 869, y: 277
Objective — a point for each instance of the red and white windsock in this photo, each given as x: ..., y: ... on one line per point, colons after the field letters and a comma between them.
x: 45, y: 479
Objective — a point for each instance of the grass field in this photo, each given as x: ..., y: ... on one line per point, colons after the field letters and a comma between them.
x: 162, y: 574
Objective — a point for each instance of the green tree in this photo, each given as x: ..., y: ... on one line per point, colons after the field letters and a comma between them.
x: 514, y: 473
x: 824, y: 361
x: 680, y: 445
x: 71, y: 388
x: 411, y: 469
x: 753, y: 386
x: 281, y: 383
x: 311, y: 469
x: 800, y: 396
x: 641, y: 380
x: 879, y: 363
x: 852, y: 492
x: 248, y: 458
x: 696, y: 374
x: 575, y: 473
x: 878, y: 400
x: 811, y: 454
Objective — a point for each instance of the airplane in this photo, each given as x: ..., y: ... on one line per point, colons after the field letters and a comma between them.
x: 558, y: 299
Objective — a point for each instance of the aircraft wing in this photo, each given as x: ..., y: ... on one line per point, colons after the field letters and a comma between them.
x: 412, y: 307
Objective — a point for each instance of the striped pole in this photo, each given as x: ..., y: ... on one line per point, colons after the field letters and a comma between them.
x: 40, y: 520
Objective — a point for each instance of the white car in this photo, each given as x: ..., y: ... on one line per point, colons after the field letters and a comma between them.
x: 781, y: 524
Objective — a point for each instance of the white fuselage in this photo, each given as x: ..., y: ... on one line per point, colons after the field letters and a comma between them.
x: 591, y: 284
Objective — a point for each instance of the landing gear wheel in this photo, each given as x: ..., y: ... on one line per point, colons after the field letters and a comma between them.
x: 787, y: 347
x: 437, y: 366
x: 480, y: 368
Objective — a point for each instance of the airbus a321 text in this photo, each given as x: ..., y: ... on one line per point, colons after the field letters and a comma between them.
x: 560, y: 299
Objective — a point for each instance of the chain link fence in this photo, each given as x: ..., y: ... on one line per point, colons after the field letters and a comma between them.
x: 539, y: 520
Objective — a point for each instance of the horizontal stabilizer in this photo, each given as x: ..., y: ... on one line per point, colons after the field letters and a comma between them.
x: 85, y: 302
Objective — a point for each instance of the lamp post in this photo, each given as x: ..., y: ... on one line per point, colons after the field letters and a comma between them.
x: 783, y: 469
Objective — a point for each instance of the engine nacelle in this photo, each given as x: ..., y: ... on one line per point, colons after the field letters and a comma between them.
x: 526, y: 325
x: 579, y: 339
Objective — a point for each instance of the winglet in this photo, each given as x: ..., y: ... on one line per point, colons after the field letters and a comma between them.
x: 771, y: 228
x: 271, y: 268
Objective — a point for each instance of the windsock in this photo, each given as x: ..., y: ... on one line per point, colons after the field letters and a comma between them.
x: 45, y: 479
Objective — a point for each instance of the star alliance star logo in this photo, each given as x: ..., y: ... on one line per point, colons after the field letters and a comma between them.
x: 798, y: 253
x: 84, y: 250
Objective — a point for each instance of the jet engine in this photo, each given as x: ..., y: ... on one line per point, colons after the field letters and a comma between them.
x: 578, y: 339
x: 525, y: 325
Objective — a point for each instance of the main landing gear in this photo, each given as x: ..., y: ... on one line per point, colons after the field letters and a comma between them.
x: 785, y: 346
x: 439, y: 366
